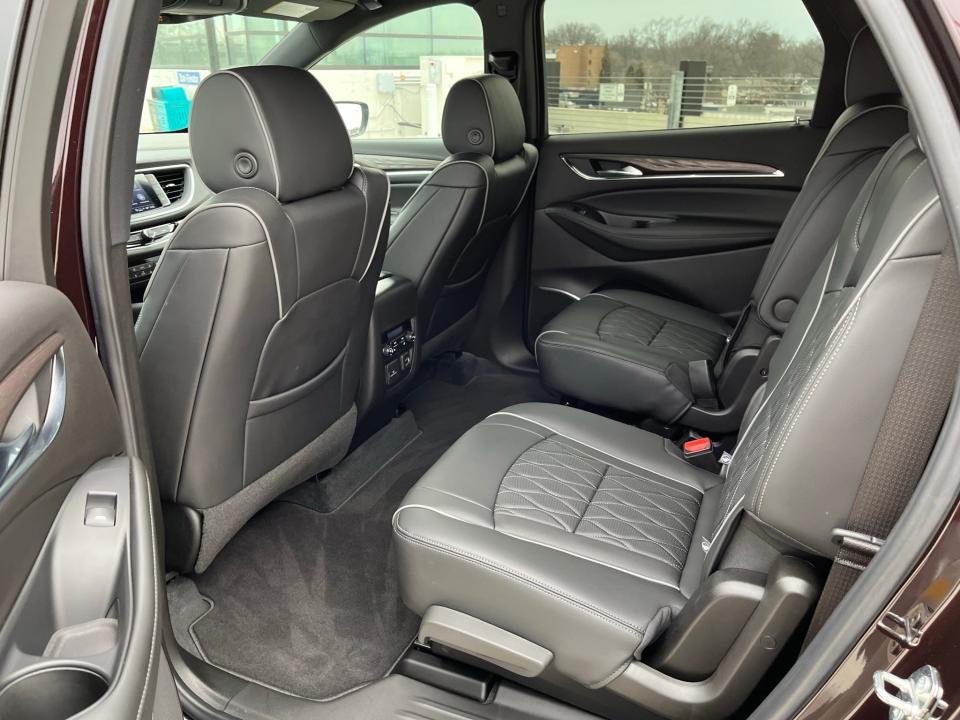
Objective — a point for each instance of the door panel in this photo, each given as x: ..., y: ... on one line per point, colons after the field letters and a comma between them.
x: 407, y: 162
x: 688, y: 214
x: 80, y: 597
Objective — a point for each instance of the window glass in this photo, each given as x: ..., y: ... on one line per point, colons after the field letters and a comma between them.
x: 403, y: 69
x: 664, y: 64
x: 185, y: 53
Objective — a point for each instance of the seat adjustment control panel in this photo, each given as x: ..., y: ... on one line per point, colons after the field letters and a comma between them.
x: 397, y: 348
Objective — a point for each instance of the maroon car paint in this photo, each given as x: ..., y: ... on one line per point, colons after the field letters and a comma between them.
x: 68, y: 264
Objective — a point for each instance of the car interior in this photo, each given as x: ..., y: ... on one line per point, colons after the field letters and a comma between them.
x: 521, y: 409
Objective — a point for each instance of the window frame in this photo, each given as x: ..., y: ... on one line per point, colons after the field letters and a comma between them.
x: 368, y: 29
x: 827, y: 106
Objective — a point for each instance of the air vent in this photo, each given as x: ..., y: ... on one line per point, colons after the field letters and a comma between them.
x: 172, y: 181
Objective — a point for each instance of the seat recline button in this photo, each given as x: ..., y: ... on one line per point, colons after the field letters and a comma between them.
x: 784, y: 308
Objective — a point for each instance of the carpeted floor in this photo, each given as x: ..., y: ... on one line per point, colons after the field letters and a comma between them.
x: 305, y: 599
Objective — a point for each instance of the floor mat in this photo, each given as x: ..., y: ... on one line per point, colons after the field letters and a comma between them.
x: 305, y: 600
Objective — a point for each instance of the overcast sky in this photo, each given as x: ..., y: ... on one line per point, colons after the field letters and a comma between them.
x: 788, y: 17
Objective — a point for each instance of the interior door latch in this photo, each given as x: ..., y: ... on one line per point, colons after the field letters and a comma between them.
x: 919, y: 697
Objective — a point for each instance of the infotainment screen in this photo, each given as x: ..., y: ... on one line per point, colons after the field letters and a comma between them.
x: 145, y: 195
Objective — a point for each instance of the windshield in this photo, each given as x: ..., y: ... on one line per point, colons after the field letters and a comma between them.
x: 185, y: 53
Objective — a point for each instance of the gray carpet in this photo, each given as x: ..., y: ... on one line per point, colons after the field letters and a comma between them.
x: 328, y: 492
x: 305, y: 600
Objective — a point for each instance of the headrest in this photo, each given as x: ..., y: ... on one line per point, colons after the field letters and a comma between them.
x: 482, y: 115
x: 867, y: 72
x: 271, y: 127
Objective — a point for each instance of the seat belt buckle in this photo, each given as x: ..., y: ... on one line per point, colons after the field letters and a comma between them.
x: 700, y: 451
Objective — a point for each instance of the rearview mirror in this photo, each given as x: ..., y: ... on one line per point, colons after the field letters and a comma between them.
x: 355, y: 116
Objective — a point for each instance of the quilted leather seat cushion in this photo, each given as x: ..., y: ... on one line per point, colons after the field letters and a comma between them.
x: 556, y: 485
x: 629, y: 350
x: 573, y: 531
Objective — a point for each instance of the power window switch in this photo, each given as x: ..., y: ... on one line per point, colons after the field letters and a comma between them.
x: 100, y: 510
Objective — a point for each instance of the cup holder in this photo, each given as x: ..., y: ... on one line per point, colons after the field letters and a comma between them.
x: 53, y: 693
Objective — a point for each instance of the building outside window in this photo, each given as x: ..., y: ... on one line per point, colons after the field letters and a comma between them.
x: 402, y: 68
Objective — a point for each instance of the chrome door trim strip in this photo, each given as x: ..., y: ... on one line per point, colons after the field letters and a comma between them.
x: 25, y: 450
x: 772, y: 173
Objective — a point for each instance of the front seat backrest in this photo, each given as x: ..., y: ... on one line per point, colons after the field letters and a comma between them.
x: 254, y: 323
x: 450, y: 229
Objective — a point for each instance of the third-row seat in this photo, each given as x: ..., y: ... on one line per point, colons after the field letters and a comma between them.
x: 659, y: 358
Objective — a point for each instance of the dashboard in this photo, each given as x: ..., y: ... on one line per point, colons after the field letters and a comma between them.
x: 165, y: 190
x: 148, y: 194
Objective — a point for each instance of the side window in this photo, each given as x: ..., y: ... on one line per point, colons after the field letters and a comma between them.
x: 187, y: 52
x: 403, y: 68
x: 664, y: 64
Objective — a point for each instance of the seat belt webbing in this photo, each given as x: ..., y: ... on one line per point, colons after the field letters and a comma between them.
x: 907, y: 433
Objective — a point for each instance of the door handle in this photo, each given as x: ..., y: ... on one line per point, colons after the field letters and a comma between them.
x: 627, y: 171
x: 11, y: 450
x: 18, y: 454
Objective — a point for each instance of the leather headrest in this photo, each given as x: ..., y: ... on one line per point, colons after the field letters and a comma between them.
x: 482, y: 115
x: 270, y: 127
x: 867, y: 72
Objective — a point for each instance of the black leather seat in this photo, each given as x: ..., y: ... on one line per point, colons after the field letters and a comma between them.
x: 448, y: 232
x: 631, y: 350
x: 253, y: 326
x: 564, y: 545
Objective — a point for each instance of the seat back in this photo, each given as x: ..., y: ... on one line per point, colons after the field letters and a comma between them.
x: 874, y: 119
x: 805, y: 446
x: 254, y: 324
x: 450, y: 229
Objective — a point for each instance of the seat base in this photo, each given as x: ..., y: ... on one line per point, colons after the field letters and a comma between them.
x: 579, y: 522
x: 630, y: 351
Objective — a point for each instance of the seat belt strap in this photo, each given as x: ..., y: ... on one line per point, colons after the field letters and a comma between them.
x: 701, y: 383
x: 906, y: 437
x: 733, y: 337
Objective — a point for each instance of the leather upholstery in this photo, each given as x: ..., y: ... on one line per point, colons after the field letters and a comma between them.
x: 832, y: 377
x: 628, y: 349
x: 254, y: 323
x: 482, y: 116
x: 563, y: 527
x: 868, y: 74
x: 448, y: 232
x: 874, y: 120
x: 587, y: 536
x: 282, y: 118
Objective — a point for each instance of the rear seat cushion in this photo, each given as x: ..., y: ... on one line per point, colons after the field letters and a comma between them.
x: 583, y: 525
x: 634, y: 348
